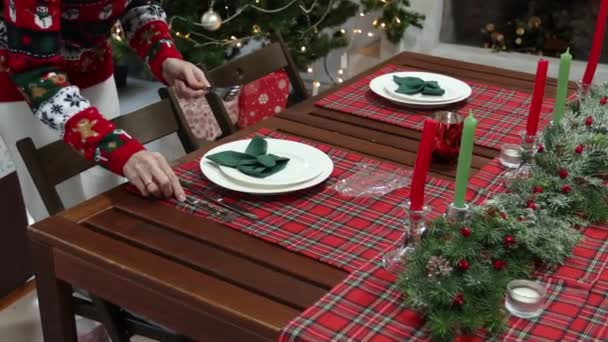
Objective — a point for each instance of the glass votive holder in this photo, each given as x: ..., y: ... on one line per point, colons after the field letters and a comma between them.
x: 448, y: 136
x: 525, y: 298
x: 510, y: 156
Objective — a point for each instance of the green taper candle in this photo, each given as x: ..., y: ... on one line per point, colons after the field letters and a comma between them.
x: 562, y: 86
x: 464, y: 160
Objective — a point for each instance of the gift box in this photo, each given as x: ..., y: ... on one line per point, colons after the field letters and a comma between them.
x: 200, y: 118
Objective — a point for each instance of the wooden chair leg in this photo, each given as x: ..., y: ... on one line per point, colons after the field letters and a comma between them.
x: 111, y: 317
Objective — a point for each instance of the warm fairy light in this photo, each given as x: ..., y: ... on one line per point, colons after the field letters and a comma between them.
x: 187, y: 36
x: 256, y: 29
x: 340, y: 71
x: 362, y: 14
x: 309, y: 70
x: 233, y: 37
x: 239, y: 44
x: 340, y: 80
x: 398, y: 20
x: 375, y: 22
x: 316, y: 84
x: 343, y: 31
x: 383, y: 25
x: 370, y: 34
x: 303, y: 49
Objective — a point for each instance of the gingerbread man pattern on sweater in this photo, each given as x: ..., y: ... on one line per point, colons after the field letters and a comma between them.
x: 50, y: 48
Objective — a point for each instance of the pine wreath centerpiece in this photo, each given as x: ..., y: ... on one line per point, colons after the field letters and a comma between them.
x: 537, y: 220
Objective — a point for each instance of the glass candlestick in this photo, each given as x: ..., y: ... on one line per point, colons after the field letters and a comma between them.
x: 415, y: 226
x: 528, y: 149
x: 456, y: 214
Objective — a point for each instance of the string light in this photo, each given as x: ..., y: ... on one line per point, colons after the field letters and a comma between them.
x: 343, y: 31
x: 383, y: 25
x: 375, y: 23
x: 362, y: 14
x: 340, y: 71
x: 370, y: 34
x: 303, y: 48
x: 310, y: 70
x: 339, y: 80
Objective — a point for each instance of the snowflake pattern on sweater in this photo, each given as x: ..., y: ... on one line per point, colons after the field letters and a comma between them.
x: 50, y: 48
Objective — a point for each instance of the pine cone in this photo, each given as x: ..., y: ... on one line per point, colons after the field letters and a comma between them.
x: 438, y: 266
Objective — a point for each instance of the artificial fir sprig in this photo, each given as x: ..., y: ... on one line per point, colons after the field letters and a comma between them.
x: 536, y: 220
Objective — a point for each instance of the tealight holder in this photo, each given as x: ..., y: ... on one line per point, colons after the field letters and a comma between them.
x: 415, y: 226
x: 528, y: 148
x: 456, y: 214
x: 448, y: 136
x: 510, y: 156
x: 525, y: 298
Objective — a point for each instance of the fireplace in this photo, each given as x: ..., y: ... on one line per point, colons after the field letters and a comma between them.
x: 561, y: 24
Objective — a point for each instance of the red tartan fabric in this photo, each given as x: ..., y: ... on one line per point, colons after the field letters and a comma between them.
x: 502, y: 113
x: 318, y: 222
x: 367, y: 306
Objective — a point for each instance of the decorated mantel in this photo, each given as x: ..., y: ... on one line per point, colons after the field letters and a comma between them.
x: 458, y: 270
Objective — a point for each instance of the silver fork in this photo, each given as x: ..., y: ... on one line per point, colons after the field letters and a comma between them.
x: 216, y: 211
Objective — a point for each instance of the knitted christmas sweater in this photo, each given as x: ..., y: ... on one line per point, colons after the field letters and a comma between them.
x: 50, y: 48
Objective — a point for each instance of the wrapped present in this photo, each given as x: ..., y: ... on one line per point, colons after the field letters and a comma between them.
x: 263, y: 98
x: 200, y: 118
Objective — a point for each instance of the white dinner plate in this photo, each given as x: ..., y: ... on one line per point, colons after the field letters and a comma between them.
x: 303, y: 162
x: 456, y: 90
x: 213, y: 172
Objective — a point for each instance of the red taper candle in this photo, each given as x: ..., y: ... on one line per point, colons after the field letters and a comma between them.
x: 423, y: 162
x: 537, y: 97
x: 598, y: 41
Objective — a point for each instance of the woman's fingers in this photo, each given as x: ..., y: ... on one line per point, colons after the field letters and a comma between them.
x: 178, y: 191
x: 136, y: 181
x: 185, y: 91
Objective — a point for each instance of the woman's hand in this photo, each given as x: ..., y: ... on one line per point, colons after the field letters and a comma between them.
x: 151, y: 174
x: 189, y: 81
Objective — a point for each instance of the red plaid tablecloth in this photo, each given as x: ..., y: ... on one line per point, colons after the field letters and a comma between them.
x: 342, y: 231
x: 367, y: 306
x: 502, y: 113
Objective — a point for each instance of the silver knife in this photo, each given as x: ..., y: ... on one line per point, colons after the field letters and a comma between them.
x: 220, y: 201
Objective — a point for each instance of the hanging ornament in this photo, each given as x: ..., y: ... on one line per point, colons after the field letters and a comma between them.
x: 211, y: 20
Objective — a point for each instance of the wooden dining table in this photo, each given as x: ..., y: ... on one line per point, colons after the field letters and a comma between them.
x: 199, y: 277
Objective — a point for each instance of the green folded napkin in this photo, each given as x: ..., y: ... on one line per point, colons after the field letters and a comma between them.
x: 415, y: 85
x: 255, y: 162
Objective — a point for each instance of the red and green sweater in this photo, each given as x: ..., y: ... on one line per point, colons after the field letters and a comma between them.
x: 51, y: 48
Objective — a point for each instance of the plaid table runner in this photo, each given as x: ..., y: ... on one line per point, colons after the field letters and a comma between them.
x: 502, y: 113
x: 367, y: 306
x: 342, y: 231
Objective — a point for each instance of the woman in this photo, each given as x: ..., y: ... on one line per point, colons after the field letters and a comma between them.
x: 49, y: 51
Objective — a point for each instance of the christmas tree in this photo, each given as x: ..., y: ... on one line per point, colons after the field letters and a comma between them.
x: 210, y: 31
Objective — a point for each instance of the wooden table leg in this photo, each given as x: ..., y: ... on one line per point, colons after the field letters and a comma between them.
x: 54, y: 298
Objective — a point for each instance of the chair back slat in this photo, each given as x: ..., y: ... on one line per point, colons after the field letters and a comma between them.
x: 249, y: 68
x: 56, y: 162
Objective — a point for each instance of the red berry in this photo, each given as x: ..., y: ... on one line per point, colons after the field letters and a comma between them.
x: 566, y: 189
x: 465, y: 231
x: 463, y: 265
x: 579, y: 149
x: 499, y: 264
x: 520, y: 218
x: 503, y: 215
x: 541, y: 148
x: 589, y: 121
x: 459, y: 299
x: 509, y: 241
x: 537, y: 190
x: 604, y: 100
x: 563, y: 173
x: 531, y: 205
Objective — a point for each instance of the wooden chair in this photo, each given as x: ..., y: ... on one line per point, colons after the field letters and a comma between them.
x: 240, y: 72
x: 54, y: 163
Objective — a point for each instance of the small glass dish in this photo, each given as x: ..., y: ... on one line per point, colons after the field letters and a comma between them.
x: 525, y: 298
x: 510, y: 156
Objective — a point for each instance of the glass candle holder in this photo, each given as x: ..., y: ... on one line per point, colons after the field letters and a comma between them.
x: 415, y: 226
x: 528, y: 149
x: 456, y: 214
x: 525, y: 298
x: 449, y: 134
x: 510, y: 156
